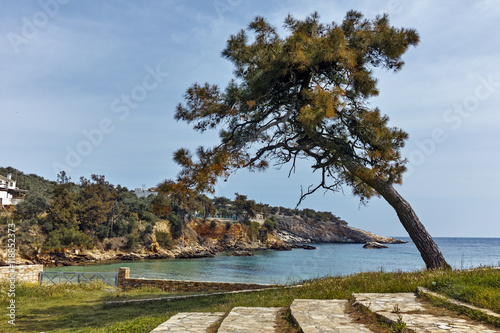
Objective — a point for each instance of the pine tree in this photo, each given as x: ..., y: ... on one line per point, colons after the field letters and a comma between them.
x: 305, y: 96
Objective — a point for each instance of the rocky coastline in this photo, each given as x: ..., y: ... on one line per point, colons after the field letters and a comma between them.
x: 203, y: 239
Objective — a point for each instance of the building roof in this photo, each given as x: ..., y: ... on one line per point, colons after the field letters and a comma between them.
x: 5, y: 179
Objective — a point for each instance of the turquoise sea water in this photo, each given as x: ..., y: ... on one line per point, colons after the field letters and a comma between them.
x: 300, y: 264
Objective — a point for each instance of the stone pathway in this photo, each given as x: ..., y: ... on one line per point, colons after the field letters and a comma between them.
x: 190, y: 322
x: 318, y: 316
x: 322, y: 316
x: 409, y: 307
x: 250, y: 319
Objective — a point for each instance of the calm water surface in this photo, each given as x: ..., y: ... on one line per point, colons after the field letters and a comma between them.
x: 300, y: 264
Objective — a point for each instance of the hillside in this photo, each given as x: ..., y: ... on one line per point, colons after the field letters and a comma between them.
x: 30, y: 182
x: 64, y: 223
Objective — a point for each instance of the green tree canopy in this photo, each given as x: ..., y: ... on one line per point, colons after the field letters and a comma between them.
x: 244, y: 207
x: 305, y: 96
x: 63, y: 207
x: 97, y: 200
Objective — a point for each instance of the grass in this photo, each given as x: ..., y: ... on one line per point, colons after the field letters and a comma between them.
x: 82, y: 308
x: 478, y: 287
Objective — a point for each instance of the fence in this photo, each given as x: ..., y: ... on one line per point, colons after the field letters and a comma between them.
x: 110, y: 279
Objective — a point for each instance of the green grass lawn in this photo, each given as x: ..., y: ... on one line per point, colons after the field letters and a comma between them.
x: 83, y: 308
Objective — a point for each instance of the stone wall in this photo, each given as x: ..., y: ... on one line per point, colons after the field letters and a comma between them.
x: 125, y: 282
x: 24, y: 273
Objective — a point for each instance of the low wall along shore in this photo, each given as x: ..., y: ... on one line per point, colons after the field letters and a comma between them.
x: 125, y: 282
x: 24, y: 273
x: 31, y: 273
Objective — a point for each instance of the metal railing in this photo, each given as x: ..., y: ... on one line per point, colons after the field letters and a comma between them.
x: 110, y: 279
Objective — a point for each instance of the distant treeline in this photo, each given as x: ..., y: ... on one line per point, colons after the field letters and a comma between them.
x: 61, y: 214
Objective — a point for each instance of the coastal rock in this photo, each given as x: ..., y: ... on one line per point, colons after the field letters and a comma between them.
x: 242, y: 254
x: 281, y: 247
x: 195, y: 254
x: 159, y: 256
x: 374, y: 245
x: 131, y: 256
x: 290, y: 238
x: 303, y: 246
x: 318, y: 231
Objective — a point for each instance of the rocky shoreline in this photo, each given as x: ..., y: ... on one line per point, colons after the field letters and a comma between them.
x: 203, y: 240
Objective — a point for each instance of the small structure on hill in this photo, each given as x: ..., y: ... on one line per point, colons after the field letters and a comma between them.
x: 9, y: 193
x: 145, y: 192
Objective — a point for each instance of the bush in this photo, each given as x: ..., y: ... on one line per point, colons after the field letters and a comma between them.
x: 64, y: 238
x: 271, y: 224
x: 254, y: 227
x: 228, y: 225
x: 108, y: 246
x: 176, y: 225
x: 103, y: 232
x: 132, y: 241
x: 148, y: 216
x: 213, y: 224
x: 148, y: 229
x: 164, y: 239
x: 120, y: 228
x: 34, y: 204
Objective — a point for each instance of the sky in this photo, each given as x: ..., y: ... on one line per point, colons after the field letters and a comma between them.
x: 91, y: 87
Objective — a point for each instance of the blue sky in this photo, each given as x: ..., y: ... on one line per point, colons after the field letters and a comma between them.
x: 91, y: 87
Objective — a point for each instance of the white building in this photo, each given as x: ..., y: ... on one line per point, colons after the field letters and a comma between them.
x: 145, y: 192
x: 9, y: 193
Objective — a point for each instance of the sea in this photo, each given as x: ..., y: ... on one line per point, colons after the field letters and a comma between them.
x: 286, y: 267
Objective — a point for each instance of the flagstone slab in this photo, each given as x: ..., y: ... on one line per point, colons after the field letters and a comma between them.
x: 321, y: 316
x: 250, y: 320
x: 411, y: 310
x: 190, y: 322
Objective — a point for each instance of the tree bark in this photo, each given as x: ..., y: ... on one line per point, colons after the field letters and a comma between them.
x: 430, y: 252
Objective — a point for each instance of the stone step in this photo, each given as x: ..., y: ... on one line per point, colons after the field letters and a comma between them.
x: 250, y: 319
x: 409, y: 308
x: 190, y: 322
x: 318, y: 316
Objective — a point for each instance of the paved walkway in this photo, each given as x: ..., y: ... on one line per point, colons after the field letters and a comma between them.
x: 250, y: 319
x: 322, y: 316
x: 409, y: 307
x: 190, y: 322
x: 318, y: 316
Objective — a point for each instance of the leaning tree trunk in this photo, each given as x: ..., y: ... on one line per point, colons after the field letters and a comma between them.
x: 430, y: 252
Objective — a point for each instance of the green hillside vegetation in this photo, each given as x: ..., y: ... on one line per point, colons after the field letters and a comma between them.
x: 92, y: 212
x: 31, y: 182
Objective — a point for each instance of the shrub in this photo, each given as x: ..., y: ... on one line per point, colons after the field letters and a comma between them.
x: 148, y: 229
x: 108, y: 245
x: 62, y: 238
x: 132, y: 241
x: 148, y: 216
x: 34, y: 204
x: 164, y: 239
x: 176, y: 225
x: 213, y: 224
x: 103, y: 232
x: 271, y: 224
